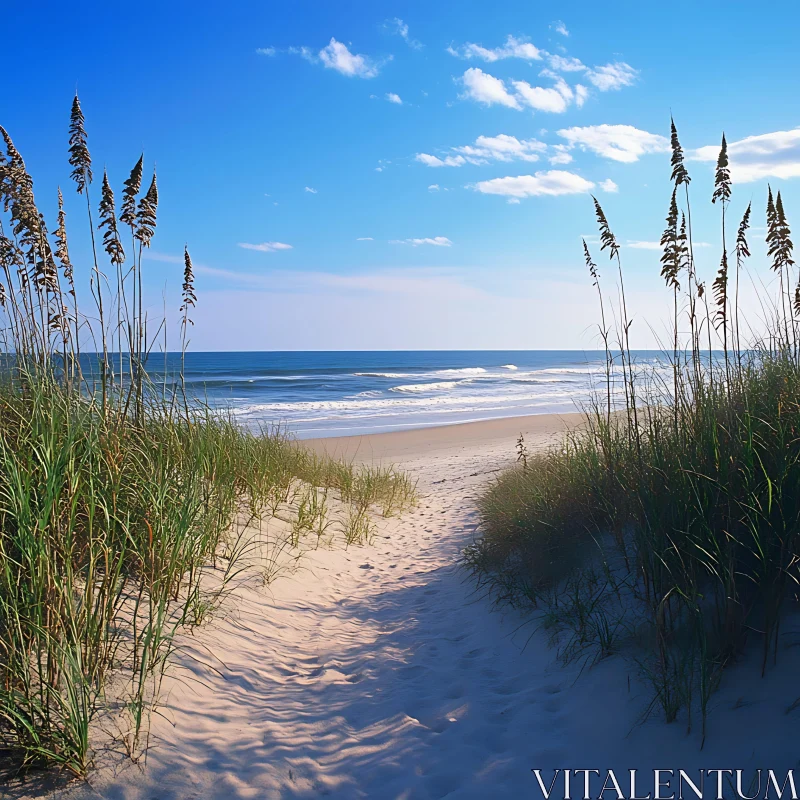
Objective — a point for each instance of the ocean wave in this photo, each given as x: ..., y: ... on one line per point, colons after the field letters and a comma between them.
x: 437, y: 411
x: 419, y: 388
x: 509, y: 366
x: 394, y: 405
x: 463, y: 371
x: 574, y: 371
x: 523, y: 379
x: 384, y: 375
x: 432, y: 373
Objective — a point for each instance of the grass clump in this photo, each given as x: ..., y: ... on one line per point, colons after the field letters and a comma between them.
x: 118, y: 499
x: 673, y: 513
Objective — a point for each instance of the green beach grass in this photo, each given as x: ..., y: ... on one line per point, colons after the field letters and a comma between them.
x: 116, y: 495
x: 672, y: 517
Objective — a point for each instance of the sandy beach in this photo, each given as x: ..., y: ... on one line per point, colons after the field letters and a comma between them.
x: 380, y: 672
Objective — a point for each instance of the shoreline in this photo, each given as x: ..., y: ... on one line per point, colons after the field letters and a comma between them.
x: 537, y: 429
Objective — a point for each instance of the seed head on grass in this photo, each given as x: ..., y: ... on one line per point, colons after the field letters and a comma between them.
x: 146, y: 214
x: 742, y: 248
x: 17, y: 191
x: 189, y: 296
x: 671, y: 258
x: 683, y: 245
x: 772, y: 221
x: 720, y: 289
x: 590, y: 264
x: 779, y: 240
x: 784, y: 233
x: 14, y: 172
x: 79, y: 158
x: 679, y: 173
x: 607, y: 238
x: 108, y: 220
x: 60, y: 234
x: 43, y: 267
x: 132, y: 186
x: 62, y: 251
x: 722, y: 178
x: 27, y: 223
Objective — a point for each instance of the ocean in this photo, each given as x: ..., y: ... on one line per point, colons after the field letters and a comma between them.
x: 319, y: 394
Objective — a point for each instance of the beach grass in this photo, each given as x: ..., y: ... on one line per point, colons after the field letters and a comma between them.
x: 118, y: 496
x: 672, y: 516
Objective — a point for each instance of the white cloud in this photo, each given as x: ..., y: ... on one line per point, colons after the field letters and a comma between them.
x: 605, y: 77
x: 378, y: 169
x: 266, y: 51
x: 561, y: 155
x: 559, y: 27
x: 608, y: 185
x: 304, y: 52
x: 504, y: 148
x: 435, y: 161
x: 489, y: 90
x: 513, y: 48
x: 266, y: 247
x: 550, y: 182
x: 486, y: 89
x: 434, y: 187
x: 617, y: 142
x: 336, y: 55
x: 394, y: 98
x: 488, y: 148
x: 555, y: 99
x: 400, y: 28
x: 612, y: 76
x: 436, y: 241
x: 769, y: 155
x: 310, y: 190
x: 365, y: 239
x: 565, y: 63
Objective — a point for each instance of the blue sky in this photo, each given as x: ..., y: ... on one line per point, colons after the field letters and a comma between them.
x: 409, y: 175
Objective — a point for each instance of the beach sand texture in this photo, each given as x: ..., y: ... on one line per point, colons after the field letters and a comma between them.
x: 380, y: 672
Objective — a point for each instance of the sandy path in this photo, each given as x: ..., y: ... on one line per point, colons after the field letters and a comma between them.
x: 379, y: 673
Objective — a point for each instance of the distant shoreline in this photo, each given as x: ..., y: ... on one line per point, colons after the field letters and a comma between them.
x: 461, y: 436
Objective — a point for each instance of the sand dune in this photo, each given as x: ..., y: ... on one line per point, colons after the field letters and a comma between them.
x: 380, y: 673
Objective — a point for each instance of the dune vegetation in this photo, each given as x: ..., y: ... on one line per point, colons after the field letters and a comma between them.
x: 671, y: 518
x: 126, y: 508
